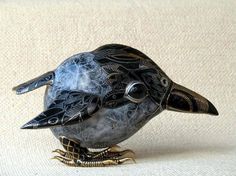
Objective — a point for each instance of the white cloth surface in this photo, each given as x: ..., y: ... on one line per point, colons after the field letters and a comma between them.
x: 194, y: 42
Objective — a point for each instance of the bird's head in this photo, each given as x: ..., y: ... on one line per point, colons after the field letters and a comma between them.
x: 170, y: 95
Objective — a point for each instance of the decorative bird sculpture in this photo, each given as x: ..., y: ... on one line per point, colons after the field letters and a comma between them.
x: 97, y: 99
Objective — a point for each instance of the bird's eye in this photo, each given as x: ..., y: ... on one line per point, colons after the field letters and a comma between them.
x: 136, y: 92
x: 164, y: 81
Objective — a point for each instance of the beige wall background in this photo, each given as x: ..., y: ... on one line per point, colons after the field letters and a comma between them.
x: 194, y: 42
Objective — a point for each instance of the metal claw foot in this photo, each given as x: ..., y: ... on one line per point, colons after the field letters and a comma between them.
x: 66, y: 161
x: 102, y: 163
x: 114, y: 152
x: 60, y: 152
x: 77, y: 156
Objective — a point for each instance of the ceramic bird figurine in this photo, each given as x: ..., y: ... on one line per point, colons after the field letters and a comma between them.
x: 97, y: 99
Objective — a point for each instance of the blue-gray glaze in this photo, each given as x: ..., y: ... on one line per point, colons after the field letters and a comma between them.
x: 95, y: 73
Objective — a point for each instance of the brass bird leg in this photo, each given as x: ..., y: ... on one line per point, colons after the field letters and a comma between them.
x: 102, y: 163
x: 113, y: 152
x: 75, y: 155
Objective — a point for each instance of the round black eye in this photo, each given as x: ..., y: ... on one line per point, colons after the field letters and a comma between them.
x: 136, y: 92
x: 164, y: 81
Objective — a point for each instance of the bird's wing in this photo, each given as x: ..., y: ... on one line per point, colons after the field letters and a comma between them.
x: 45, y: 79
x: 68, y: 108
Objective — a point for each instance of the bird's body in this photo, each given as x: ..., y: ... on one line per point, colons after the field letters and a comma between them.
x: 87, y: 72
x: 109, y: 127
x: 98, y: 99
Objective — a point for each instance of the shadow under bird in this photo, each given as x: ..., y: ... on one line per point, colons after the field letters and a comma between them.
x: 100, y: 98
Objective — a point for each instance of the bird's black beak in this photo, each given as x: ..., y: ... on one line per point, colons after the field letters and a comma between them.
x: 184, y: 100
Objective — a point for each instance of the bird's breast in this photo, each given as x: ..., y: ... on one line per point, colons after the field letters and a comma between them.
x: 110, y: 126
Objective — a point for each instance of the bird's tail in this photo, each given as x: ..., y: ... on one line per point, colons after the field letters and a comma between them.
x: 45, y: 79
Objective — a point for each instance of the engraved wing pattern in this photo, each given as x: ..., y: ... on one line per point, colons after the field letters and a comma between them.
x: 68, y: 108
